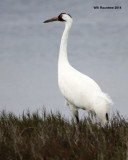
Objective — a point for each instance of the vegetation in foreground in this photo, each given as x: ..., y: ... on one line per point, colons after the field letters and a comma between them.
x: 51, y: 137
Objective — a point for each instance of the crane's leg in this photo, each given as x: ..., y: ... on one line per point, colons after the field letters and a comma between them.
x: 75, y: 112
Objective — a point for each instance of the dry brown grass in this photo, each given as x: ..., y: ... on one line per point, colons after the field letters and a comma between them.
x: 51, y: 137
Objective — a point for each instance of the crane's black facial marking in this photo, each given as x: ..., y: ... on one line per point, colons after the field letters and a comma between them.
x: 60, y: 17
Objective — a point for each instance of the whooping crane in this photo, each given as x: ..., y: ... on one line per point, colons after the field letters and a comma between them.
x: 79, y: 90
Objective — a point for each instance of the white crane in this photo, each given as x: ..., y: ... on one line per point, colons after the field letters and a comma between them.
x: 79, y: 90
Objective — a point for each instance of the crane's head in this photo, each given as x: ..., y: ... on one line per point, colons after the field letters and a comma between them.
x: 63, y: 17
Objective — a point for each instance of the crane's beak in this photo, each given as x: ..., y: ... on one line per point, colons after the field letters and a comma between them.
x: 51, y: 20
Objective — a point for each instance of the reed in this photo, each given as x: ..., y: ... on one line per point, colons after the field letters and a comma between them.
x: 51, y: 137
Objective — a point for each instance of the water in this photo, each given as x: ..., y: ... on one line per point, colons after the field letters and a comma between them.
x: 29, y: 51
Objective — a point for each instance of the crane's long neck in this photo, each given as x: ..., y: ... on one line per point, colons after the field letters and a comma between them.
x: 63, y: 45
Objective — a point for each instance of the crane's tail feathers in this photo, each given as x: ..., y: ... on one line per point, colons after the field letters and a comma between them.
x: 105, y: 97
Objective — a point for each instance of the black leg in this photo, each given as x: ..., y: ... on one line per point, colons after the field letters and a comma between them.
x: 107, y: 117
x: 77, y: 118
x: 74, y: 110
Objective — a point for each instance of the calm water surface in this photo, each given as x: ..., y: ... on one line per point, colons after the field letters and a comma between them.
x: 97, y: 46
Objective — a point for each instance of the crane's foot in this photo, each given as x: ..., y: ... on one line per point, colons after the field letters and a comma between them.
x: 104, y: 131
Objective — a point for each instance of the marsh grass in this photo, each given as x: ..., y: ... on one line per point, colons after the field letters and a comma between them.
x: 52, y: 137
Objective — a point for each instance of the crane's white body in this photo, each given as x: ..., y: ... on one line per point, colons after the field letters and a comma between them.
x: 79, y: 90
